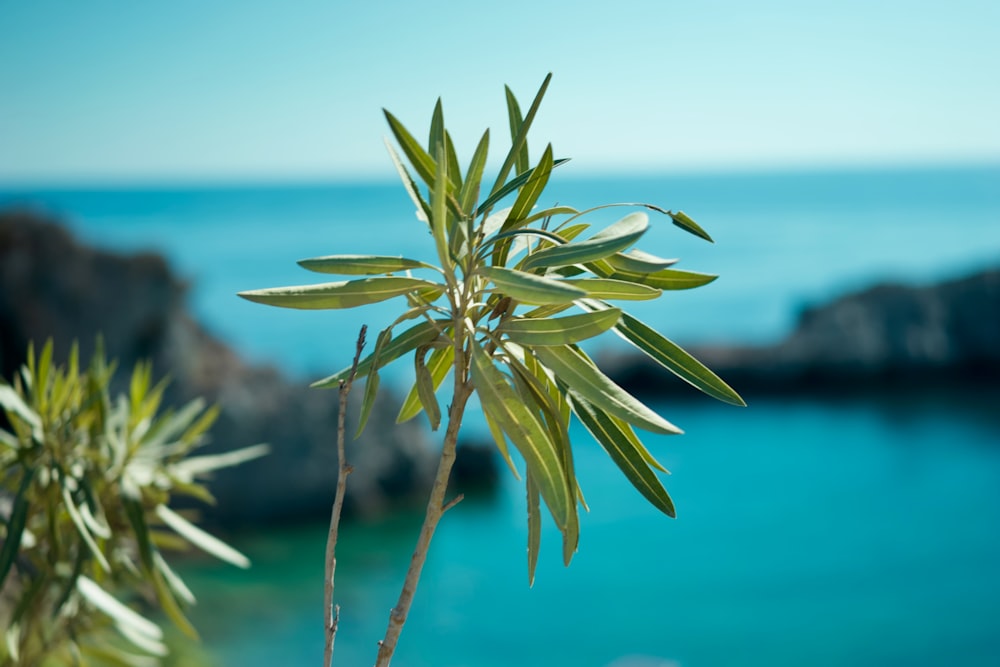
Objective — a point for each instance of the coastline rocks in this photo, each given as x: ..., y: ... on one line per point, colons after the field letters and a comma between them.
x: 52, y: 286
x: 888, y: 335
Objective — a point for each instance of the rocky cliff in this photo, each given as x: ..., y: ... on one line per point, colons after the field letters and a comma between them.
x: 52, y: 286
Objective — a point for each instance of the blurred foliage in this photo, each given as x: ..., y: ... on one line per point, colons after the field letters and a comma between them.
x: 490, y: 313
x: 84, y: 492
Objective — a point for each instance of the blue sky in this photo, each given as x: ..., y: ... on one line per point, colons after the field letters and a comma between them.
x: 188, y: 91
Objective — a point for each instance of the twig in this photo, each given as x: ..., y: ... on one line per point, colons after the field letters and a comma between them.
x: 331, y: 613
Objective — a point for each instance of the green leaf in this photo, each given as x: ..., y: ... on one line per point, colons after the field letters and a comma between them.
x: 371, y: 386
x: 137, y: 519
x: 425, y: 389
x: 423, y: 209
x: 345, y: 294
x: 175, y: 583
x: 439, y: 209
x: 469, y: 191
x: 534, y: 527
x: 511, y: 186
x: 514, y: 117
x: 122, y: 615
x: 199, y: 538
x: 522, y: 426
x: 672, y: 357
x: 637, y: 261
x: 530, y: 288
x: 170, y: 607
x: 454, y: 170
x: 522, y: 136
x: 531, y: 190
x: 15, y: 525
x: 687, y: 224
x: 548, y: 213
x: 438, y: 364
x: 579, y: 373
x: 558, y: 330
x: 423, y: 333
x: 607, y: 288
x: 624, y: 451
x: 421, y: 160
x: 501, y: 442
x: 437, y: 128
x: 667, y: 279
x: 361, y: 264
x: 618, y: 236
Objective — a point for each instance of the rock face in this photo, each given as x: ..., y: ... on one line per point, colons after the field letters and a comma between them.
x: 51, y: 286
x: 886, y: 335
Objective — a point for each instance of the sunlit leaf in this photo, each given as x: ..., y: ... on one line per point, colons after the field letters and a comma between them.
x: 470, y: 187
x: 532, y: 188
x: 504, y: 406
x: 610, y: 289
x: 618, y: 236
x: 521, y: 138
x: 199, y: 538
x: 515, y: 121
x: 667, y: 279
x: 438, y: 364
x: 530, y: 288
x: 421, y: 160
x: 511, y: 186
x: 687, y: 224
x: 637, y: 261
x: 361, y: 264
x: 121, y: 614
x: 622, y: 450
x: 373, y: 380
x: 423, y: 209
x: 579, y: 374
x: 346, y: 294
x: 672, y: 357
x: 559, y: 330
x: 534, y: 527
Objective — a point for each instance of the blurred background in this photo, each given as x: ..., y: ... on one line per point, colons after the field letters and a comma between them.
x: 846, y: 158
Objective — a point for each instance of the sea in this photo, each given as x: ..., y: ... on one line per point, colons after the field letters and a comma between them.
x: 846, y: 529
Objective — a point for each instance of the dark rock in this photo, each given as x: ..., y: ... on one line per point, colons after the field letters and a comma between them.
x: 889, y: 335
x: 51, y: 286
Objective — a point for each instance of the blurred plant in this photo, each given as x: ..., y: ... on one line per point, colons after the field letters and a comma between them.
x: 84, y: 497
x: 488, y: 316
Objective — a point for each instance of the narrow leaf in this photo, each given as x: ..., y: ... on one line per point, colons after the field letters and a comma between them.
x: 579, y: 373
x: 421, y: 160
x: 423, y: 209
x: 558, y: 330
x: 501, y: 443
x: 667, y: 279
x: 438, y: 364
x: 347, y: 294
x: 199, y: 538
x: 618, y: 236
x: 168, y: 603
x: 607, y: 288
x: 532, y: 189
x: 504, y: 406
x: 439, y: 208
x: 372, y: 383
x: 687, y: 224
x: 425, y: 389
x: 81, y: 528
x: 672, y: 357
x: 637, y: 261
x: 361, y: 264
x: 423, y: 333
x: 530, y: 288
x: 534, y: 527
x: 437, y: 128
x: 121, y: 614
x: 470, y: 187
x: 522, y: 136
x: 515, y: 120
x: 623, y: 452
x: 511, y: 186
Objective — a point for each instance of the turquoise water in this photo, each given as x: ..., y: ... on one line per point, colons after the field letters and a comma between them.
x: 855, y: 532
x: 808, y: 533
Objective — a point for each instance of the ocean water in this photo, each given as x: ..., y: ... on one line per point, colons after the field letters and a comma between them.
x: 851, y: 531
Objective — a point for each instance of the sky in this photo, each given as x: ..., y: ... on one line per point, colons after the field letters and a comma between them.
x: 264, y: 90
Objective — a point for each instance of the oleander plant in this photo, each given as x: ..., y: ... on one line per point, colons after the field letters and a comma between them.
x: 516, y: 288
x: 86, y: 480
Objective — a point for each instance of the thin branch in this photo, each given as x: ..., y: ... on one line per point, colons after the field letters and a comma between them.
x: 331, y: 613
x: 451, y: 503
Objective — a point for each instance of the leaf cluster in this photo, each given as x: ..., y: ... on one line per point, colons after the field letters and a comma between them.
x: 493, y: 312
x: 87, y: 480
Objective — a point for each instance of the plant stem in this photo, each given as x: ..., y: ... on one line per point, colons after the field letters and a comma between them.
x: 331, y: 613
x: 436, y: 508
